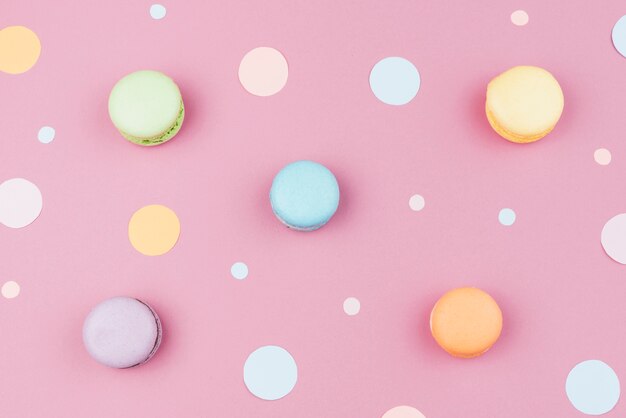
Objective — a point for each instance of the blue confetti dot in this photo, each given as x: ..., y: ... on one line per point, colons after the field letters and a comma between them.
x: 592, y: 387
x: 239, y: 270
x: 507, y: 217
x: 395, y: 81
x: 46, y: 134
x: 270, y: 372
x: 158, y: 11
x: 619, y: 35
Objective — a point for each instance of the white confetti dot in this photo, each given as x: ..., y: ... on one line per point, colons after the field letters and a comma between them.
x: 602, y: 156
x: 507, y: 217
x: 613, y: 238
x: 395, y: 81
x: 417, y: 202
x: 351, y: 306
x: 46, y: 134
x: 592, y: 387
x: 519, y: 18
x: 239, y: 270
x: 10, y: 290
x: 20, y: 203
x: 158, y: 11
x: 270, y: 373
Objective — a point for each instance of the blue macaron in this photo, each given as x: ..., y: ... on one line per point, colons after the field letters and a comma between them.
x: 304, y: 195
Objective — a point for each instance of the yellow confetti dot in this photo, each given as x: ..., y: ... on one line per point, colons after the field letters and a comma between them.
x: 153, y: 230
x: 19, y: 49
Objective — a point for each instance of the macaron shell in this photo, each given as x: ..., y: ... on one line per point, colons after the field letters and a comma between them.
x: 466, y: 322
x: 304, y: 195
x: 122, y: 332
x: 524, y: 103
x: 145, y: 104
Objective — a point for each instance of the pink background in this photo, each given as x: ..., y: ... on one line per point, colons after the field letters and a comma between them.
x: 562, y: 297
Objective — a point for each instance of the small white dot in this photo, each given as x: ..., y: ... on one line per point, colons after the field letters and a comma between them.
x: 10, y: 290
x: 507, y: 217
x: 602, y: 156
x: 239, y: 270
x: 519, y: 18
x: 351, y: 306
x: 158, y: 11
x: 417, y: 202
x: 46, y: 134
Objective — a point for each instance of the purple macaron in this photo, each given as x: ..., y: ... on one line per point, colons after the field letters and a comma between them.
x: 122, y: 332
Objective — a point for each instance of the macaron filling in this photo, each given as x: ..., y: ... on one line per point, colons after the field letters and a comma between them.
x: 510, y: 135
x: 164, y: 137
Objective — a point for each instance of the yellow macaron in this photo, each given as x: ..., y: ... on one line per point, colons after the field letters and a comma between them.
x: 524, y: 103
x: 466, y: 322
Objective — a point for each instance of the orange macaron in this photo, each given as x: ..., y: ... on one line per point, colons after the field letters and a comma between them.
x: 466, y: 322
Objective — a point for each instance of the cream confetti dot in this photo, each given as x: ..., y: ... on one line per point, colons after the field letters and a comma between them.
x: 519, y: 18
x: 403, y: 411
x: 602, y: 156
x: 417, y: 202
x: 351, y: 306
x: 10, y: 290
x: 263, y: 71
x: 613, y: 238
x: 20, y: 203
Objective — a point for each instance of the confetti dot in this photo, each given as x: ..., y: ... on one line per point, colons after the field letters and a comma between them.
x: 153, y: 230
x: 270, y: 372
x: 158, y: 11
x: 613, y: 238
x: 403, y: 412
x: 417, y: 202
x: 507, y: 217
x: 10, y: 290
x: 263, y: 71
x: 395, y: 81
x: 351, y: 306
x: 519, y: 18
x: 19, y: 49
x: 239, y: 270
x: 592, y: 387
x: 20, y: 203
x: 602, y: 156
x: 46, y: 134
x: 619, y: 35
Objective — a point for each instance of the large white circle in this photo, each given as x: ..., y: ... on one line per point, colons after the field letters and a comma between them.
x: 613, y: 238
x: 592, y: 387
x: 395, y: 81
x: 20, y: 203
x: 270, y: 372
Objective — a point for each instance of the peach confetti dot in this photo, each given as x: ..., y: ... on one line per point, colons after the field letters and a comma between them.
x: 19, y: 49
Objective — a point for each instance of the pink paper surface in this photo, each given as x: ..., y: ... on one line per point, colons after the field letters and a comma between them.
x: 562, y: 297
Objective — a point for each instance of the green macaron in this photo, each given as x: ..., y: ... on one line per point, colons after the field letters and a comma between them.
x: 146, y: 107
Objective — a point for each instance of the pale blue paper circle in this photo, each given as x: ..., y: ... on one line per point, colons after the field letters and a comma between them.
x: 395, y: 81
x: 592, y: 387
x: 270, y: 372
